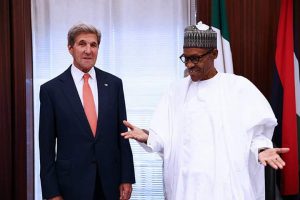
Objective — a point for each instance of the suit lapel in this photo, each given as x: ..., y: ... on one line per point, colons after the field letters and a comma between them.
x: 103, y: 89
x: 71, y: 93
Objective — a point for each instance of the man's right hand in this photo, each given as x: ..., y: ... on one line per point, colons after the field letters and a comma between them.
x: 134, y: 133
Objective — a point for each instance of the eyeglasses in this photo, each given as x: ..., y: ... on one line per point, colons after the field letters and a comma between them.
x: 194, y: 59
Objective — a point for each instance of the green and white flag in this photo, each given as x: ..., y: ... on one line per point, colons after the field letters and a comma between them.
x: 223, y: 63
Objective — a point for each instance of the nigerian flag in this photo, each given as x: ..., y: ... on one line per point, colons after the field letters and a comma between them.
x: 223, y: 63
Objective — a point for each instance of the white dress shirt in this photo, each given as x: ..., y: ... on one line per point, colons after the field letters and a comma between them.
x: 78, y: 80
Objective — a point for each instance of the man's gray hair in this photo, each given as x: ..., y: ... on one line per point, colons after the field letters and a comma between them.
x: 82, y: 28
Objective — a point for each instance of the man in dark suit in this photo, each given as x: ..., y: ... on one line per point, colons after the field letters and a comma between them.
x: 82, y: 155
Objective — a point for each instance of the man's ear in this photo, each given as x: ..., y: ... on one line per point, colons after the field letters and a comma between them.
x: 215, y: 53
x: 70, y: 48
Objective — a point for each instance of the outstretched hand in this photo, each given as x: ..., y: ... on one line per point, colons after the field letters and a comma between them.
x: 134, y: 133
x: 272, y: 158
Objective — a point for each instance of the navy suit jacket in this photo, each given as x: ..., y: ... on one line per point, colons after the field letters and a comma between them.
x: 69, y: 153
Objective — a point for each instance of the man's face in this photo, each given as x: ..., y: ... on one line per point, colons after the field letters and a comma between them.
x: 84, y: 51
x: 200, y: 62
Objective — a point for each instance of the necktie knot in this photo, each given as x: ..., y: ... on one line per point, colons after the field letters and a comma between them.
x: 86, y: 77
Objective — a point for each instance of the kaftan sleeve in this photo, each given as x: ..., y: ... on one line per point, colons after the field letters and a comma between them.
x: 260, y: 122
x: 154, y: 144
x: 258, y: 119
x: 259, y: 140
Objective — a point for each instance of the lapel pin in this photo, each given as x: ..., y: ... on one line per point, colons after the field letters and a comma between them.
x: 105, y: 84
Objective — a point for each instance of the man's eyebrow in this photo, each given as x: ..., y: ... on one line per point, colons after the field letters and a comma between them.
x: 192, y: 55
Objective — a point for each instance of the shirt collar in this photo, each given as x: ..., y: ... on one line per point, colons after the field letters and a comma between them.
x: 78, y: 74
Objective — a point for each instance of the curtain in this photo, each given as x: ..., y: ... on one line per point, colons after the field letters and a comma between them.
x: 141, y: 43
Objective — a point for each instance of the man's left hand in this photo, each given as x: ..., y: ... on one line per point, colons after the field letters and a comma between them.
x: 272, y: 158
x: 125, y: 191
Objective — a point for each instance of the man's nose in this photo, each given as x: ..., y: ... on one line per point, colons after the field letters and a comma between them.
x: 87, y: 49
x: 189, y: 64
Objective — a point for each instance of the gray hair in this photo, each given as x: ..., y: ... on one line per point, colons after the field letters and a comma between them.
x: 82, y: 28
